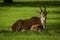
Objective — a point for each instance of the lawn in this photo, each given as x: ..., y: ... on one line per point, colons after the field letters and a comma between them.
x: 8, y: 15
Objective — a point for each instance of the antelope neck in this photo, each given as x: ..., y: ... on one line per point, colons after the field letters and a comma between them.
x: 42, y: 19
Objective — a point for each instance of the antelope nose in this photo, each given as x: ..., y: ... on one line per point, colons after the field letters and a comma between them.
x: 43, y: 18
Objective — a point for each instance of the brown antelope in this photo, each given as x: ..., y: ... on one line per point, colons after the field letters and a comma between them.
x: 34, y: 23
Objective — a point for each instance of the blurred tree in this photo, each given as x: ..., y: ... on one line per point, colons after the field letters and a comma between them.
x: 7, y: 1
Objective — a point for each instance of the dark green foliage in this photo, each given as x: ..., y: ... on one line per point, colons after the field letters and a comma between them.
x: 7, y: 1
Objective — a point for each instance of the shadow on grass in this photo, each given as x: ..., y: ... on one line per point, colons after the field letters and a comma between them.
x: 32, y: 4
x: 56, y: 11
x: 53, y: 26
x: 27, y: 33
x: 54, y: 18
x: 4, y: 31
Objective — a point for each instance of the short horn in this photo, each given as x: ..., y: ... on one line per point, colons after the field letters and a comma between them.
x: 44, y: 8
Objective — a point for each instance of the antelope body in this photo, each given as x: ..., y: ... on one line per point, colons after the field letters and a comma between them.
x: 33, y: 23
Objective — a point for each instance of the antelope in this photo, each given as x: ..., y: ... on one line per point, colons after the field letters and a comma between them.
x: 33, y: 23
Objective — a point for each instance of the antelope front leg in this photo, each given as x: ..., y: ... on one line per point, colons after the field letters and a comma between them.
x: 35, y: 28
x: 44, y: 24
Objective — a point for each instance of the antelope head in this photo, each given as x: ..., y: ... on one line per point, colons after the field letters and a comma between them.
x: 43, y: 14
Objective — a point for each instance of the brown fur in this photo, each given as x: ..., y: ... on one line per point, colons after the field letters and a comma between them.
x: 29, y: 23
x: 25, y: 24
x: 16, y: 26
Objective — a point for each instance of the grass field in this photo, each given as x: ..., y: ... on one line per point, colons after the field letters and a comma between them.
x: 8, y: 15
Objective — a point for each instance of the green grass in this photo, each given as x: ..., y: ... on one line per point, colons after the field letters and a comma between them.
x: 8, y: 15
